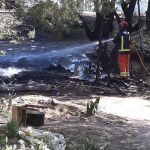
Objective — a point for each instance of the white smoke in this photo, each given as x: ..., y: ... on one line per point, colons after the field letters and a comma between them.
x: 9, y: 72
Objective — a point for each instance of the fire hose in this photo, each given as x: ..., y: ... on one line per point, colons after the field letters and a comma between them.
x: 140, y: 58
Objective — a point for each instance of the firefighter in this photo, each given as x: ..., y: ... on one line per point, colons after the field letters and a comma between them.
x: 121, y: 52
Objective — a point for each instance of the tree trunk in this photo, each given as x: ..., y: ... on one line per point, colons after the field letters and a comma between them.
x: 92, y: 35
x: 148, y: 17
x: 128, y: 9
x: 100, y: 49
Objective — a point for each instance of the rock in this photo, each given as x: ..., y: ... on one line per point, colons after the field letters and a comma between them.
x: 55, y: 141
x: 23, y: 62
x: 58, y: 68
x: 48, y: 102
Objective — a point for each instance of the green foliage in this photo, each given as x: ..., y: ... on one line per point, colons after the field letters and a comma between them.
x: 5, y: 141
x: 12, y: 129
x: 54, y: 18
x: 5, y: 113
x: 2, y: 140
x: 57, y: 19
x: 92, y: 107
x: 86, y: 144
x: 48, y: 141
x: 6, y: 145
x: 104, y: 6
x: 39, y: 19
x: 108, y: 7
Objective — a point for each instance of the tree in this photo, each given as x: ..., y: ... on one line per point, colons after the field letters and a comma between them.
x: 105, y: 8
x: 128, y: 9
x: 102, y: 9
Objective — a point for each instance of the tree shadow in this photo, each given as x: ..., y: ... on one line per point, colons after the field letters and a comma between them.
x: 118, y: 132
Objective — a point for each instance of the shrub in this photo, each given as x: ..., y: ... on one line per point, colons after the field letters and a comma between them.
x: 12, y: 129
x: 58, y: 19
x: 2, y: 140
x: 92, y: 107
x: 84, y: 144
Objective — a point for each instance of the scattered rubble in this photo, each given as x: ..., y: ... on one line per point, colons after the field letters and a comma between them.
x: 46, y: 139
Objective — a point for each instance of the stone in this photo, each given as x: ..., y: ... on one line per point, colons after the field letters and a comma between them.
x: 56, y: 140
x: 23, y: 62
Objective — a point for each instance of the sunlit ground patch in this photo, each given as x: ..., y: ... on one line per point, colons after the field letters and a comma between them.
x: 130, y: 107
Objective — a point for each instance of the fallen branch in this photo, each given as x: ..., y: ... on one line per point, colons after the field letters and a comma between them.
x: 3, y: 1
x: 36, y: 106
x: 120, y: 91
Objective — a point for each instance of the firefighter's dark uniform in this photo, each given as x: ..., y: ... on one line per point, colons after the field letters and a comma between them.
x: 121, y: 54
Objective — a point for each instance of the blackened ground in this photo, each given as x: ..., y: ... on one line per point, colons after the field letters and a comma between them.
x: 59, y: 80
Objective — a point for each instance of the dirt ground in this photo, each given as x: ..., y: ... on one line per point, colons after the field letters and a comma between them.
x: 116, y: 123
x: 67, y: 118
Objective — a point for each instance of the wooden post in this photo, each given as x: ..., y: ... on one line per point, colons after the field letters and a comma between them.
x: 19, y: 114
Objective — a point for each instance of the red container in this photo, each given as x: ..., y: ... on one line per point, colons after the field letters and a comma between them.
x: 124, y: 64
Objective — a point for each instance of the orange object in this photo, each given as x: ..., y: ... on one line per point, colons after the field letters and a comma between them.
x: 124, y: 64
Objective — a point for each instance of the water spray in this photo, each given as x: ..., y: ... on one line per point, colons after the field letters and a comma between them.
x: 72, y: 50
x: 108, y: 40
